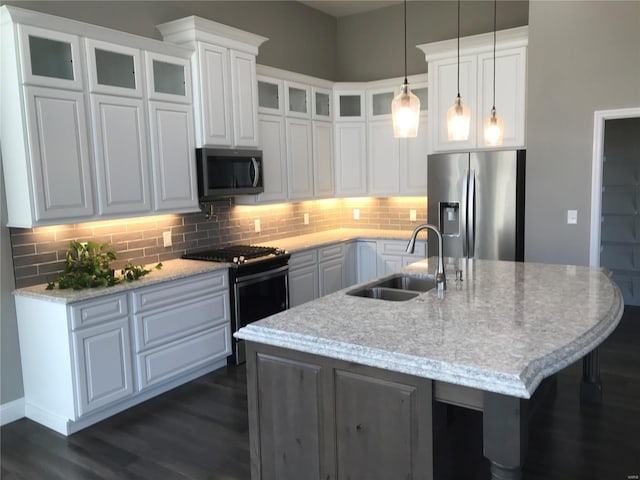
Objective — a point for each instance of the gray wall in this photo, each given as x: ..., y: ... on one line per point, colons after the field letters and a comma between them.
x: 10, y: 368
x: 300, y: 38
x: 371, y: 44
x: 583, y: 56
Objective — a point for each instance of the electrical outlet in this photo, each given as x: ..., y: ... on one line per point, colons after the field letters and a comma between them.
x: 572, y: 217
x: 306, y: 219
x: 166, y: 239
x: 356, y: 214
x: 412, y: 215
x: 256, y: 225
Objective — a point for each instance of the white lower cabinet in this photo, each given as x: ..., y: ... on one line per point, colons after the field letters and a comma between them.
x: 87, y: 360
x: 392, y: 254
x: 331, y: 268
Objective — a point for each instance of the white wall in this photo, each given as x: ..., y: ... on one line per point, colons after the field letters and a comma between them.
x: 583, y: 56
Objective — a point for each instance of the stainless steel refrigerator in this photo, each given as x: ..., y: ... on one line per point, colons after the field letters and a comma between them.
x: 477, y: 201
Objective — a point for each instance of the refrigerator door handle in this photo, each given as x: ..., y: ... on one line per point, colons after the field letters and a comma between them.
x: 471, y: 203
x: 463, y: 213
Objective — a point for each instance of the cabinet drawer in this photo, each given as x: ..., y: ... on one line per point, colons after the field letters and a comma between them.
x: 170, y: 293
x: 303, y: 259
x: 399, y: 247
x: 104, y: 309
x: 162, y: 325
x: 184, y: 355
x: 331, y: 251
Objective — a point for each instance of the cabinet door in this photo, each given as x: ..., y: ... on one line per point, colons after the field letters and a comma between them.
x: 173, y: 157
x: 214, y: 107
x: 57, y: 131
x: 379, y: 103
x: 49, y: 58
x: 321, y: 104
x: 349, y: 105
x: 297, y: 102
x: 121, y: 158
x: 274, y: 158
x: 367, y: 261
x: 443, y: 76
x: 383, y: 154
x: 323, y: 174
x: 244, y: 87
x: 114, y: 69
x: 270, y: 95
x: 299, y: 159
x: 511, y: 68
x: 413, y: 160
x: 350, y: 155
x: 168, y: 78
x: 303, y: 285
x: 104, y: 369
x: 331, y: 275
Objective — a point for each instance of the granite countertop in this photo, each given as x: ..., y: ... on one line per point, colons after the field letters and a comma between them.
x: 504, y: 328
x: 171, y: 270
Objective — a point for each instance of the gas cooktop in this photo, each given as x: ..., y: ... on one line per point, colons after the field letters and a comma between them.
x: 238, y: 254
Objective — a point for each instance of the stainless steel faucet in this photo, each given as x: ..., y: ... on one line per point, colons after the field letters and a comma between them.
x: 441, y: 280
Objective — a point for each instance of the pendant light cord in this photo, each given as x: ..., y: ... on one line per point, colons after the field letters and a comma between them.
x: 495, y: 9
x: 405, y: 42
x: 458, y: 48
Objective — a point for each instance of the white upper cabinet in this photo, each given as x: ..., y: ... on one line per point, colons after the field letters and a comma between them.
x: 120, y: 152
x: 50, y: 58
x: 379, y: 103
x: 59, y: 153
x: 274, y: 158
x: 114, y: 69
x: 351, y: 159
x: 476, y: 86
x: 297, y: 102
x: 225, y: 83
x: 299, y: 159
x: 349, y: 104
x: 323, y: 171
x: 383, y: 165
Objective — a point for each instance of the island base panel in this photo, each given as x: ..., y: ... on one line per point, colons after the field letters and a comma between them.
x: 318, y: 418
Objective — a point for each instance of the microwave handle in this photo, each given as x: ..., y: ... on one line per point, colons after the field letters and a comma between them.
x: 256, y: 169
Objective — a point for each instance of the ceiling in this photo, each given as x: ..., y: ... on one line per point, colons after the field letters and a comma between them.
x: 342, y: 8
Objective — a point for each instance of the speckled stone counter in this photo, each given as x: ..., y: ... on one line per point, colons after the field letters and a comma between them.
x: 171, y: 270
x: 503, y: 329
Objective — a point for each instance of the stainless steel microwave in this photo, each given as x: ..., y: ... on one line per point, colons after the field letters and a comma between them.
x: 224, y: 172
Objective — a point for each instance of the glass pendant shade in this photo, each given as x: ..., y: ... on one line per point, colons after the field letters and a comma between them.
x: 405, y: 112
x: 458, y: 121
x: 493, y: 129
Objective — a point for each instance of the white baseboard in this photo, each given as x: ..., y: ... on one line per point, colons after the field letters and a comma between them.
x: 11, y: 411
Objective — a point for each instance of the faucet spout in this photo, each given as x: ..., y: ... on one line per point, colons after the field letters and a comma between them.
x: 441, y: 280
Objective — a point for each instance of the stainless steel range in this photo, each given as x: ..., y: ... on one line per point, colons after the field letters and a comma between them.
x: 259, y: 281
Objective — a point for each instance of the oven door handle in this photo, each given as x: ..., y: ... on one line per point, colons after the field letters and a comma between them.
x: 261, y: 276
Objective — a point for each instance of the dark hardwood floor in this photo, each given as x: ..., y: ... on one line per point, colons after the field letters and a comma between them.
x: 199, y: 431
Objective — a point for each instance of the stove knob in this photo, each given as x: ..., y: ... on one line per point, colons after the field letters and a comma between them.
x: 235, y: 260
x: 241, y: 259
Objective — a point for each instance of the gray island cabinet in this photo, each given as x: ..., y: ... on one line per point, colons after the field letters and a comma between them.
x: 342, y: 387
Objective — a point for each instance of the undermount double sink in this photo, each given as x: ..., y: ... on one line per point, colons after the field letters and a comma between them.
x: 397, y: 288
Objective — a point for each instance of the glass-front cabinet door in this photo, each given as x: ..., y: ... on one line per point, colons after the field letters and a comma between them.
x: 349, y: 104
x: 114, y: 69
x: 50, y: 59
x: 379, y: 102
x: 270, y: 98
x: 322, y: 103
x: 168, y: 78
x: 297, y: 100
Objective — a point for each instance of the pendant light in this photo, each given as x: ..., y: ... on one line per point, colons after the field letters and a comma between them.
x: 493, y: 125
x: 458, y: 115
x: 405, y: 107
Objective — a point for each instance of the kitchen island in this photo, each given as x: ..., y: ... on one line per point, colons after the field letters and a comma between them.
x: 342, y: 387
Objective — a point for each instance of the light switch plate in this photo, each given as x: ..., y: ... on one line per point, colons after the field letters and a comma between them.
x: 306, y: 218
x: 412, y: 215
x: 356, y: 214
x: 572, y: 217
x: 256, y: 225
